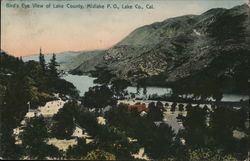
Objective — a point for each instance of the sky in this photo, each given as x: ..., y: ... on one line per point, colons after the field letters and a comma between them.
x: 55, y: 30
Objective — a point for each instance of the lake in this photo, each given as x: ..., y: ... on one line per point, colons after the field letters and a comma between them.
x: 82, y: 83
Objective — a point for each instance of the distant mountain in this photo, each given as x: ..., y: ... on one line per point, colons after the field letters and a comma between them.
x: 60, y: 57
x: 207, y: 50
x: 84, y: 62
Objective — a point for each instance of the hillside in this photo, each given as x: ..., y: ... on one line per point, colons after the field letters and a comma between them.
x: 83, y: 62
x: 210, y: 50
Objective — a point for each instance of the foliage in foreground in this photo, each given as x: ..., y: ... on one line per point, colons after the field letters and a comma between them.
x: 209, y: 155
x: 99, y: 155
x: 21, y: 84
x: 34, y: 136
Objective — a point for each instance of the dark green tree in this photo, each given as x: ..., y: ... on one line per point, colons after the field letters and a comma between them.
x: 114, y: 141
x: 173, y: 107
x: 103, y: 75
x: 208, y: 155
x: 217, y: 96
x: 118, y: 87
x: 223, y: 121
x: 79, y: 150
x: 17, y: 95
x: 159, y: 105
x: 144, y: 91
x: 181, y: 107
x: 99, y: 154
x: 53, y: 67
x: 34, y: 137
x: 155, y: 111
x: 63, y: 122
x: 9, y: 150
x: 42, y: 61
x: 196, y: 132
x: 98, y: 97
x: 160, y: 143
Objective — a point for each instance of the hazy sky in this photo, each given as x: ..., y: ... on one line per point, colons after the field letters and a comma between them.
x: 24, y: 31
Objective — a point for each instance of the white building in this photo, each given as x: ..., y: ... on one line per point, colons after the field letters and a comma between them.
x: 32, y: 113
x: 80, y: 132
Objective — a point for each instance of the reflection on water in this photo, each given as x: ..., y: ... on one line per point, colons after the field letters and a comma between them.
x: 82, y: 83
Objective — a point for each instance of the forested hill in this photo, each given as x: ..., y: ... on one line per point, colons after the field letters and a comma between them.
x: 22, y: 83
x: 8, y: 66
x: 41, y: 78
x: 9, y: 63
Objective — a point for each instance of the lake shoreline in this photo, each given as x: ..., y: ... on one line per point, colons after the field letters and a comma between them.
x: 83, y: 82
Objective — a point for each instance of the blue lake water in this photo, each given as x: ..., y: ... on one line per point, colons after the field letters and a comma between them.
x: 82, y: 83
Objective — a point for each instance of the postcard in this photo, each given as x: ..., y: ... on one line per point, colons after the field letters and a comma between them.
x: 125, y: 80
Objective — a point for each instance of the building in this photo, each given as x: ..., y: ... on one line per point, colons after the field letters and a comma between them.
x: 32, y: 113
x: 139, y: 108
x: 80, y: 132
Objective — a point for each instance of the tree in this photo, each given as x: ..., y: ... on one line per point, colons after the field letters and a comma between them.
x: 217, y: 96
x: 120, y: 117
x: 180, y: 117
x: 2, y: 93
x: 9, y: 150
x: 155, y: 111
x: 145, y: 92
x: 115, y: 141
x: 42, y: 61
x: 22, y: 83
x: 52, y: 151
x: 63, y: 122
x: 98, y: 97
x: 209, y: 155
x: 159, y: 105
x: 87, y: 120
x: 9, y: 64
x: 53, y: 67
x: 173, y: 106
x: 181, y: 107
x: 99, y: 154
x: 151, y: 106
x: 158, y: 141
x: 17, y: 94
x: 79, y: 150
x: 206, y: 108
x: 195, y: 133
x: 188, y: 106
x: 222, y: 130
x: 34, y: 137
x: 118, y: 87
x: 103, y: 75
x: 159, y: 144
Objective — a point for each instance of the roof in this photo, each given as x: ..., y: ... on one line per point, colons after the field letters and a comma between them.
x: 34, y: 110
x: 77, y: 125
x: 136, y: 106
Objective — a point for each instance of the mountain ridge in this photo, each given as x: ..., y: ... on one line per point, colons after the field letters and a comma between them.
x: 175, y: 50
